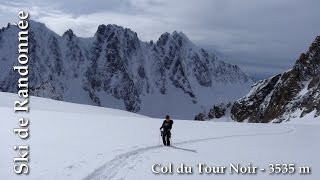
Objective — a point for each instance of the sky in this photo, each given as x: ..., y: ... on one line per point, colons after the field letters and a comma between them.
x: 263, y: 37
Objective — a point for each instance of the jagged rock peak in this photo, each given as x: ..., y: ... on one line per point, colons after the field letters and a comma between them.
x: 308, y: 64
x: 178, y: 37
x: 33, y: 23
x: 116, y: 69
x: 163, y: 39
x: 314, y: 49
x: 112, y: 29
x: 291, y: 94
x: 68, y: 34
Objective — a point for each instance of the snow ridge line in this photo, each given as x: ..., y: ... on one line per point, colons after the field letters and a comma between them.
x: 110, y: 169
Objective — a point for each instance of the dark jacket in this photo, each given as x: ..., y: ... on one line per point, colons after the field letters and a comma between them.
x: 166, y: 125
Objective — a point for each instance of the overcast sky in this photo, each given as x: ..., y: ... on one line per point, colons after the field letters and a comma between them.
x: 263, y: 37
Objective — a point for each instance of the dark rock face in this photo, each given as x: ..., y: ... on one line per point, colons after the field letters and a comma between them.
x: 284, y: 96
x: 128, y: 69
x: 201, y: 70
x: 117, y: 45
x: 114, y: 68
x: 200, y: 117
x: 216, y: 112
x: 48, y: 75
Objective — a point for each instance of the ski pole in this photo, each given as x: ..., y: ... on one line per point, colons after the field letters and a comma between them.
x: 171, y: 138
x: 159, y: 138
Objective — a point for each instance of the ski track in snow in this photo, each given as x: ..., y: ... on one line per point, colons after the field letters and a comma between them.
x: 110, y: 169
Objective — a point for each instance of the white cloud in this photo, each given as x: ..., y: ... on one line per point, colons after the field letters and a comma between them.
x: 257, y: 30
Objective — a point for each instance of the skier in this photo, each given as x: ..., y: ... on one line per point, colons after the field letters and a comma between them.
x: 166, y: 130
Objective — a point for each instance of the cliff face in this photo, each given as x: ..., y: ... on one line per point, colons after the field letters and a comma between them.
x: 116, y: 69
x: 294, y: 93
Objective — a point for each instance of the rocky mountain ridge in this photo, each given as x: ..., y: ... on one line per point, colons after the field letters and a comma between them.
x: 291, y: 94
x: 116, y: 69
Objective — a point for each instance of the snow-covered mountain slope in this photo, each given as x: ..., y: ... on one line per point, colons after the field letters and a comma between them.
x: 56, y: 64
x: 115, y: 69
x: 291, y: 94
x: 72, y: 142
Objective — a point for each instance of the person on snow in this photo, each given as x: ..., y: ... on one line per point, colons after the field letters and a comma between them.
x: 166, y: 130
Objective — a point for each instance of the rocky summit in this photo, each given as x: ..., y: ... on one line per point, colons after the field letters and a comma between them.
x: 116, y: 69
x: 292, y: 94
